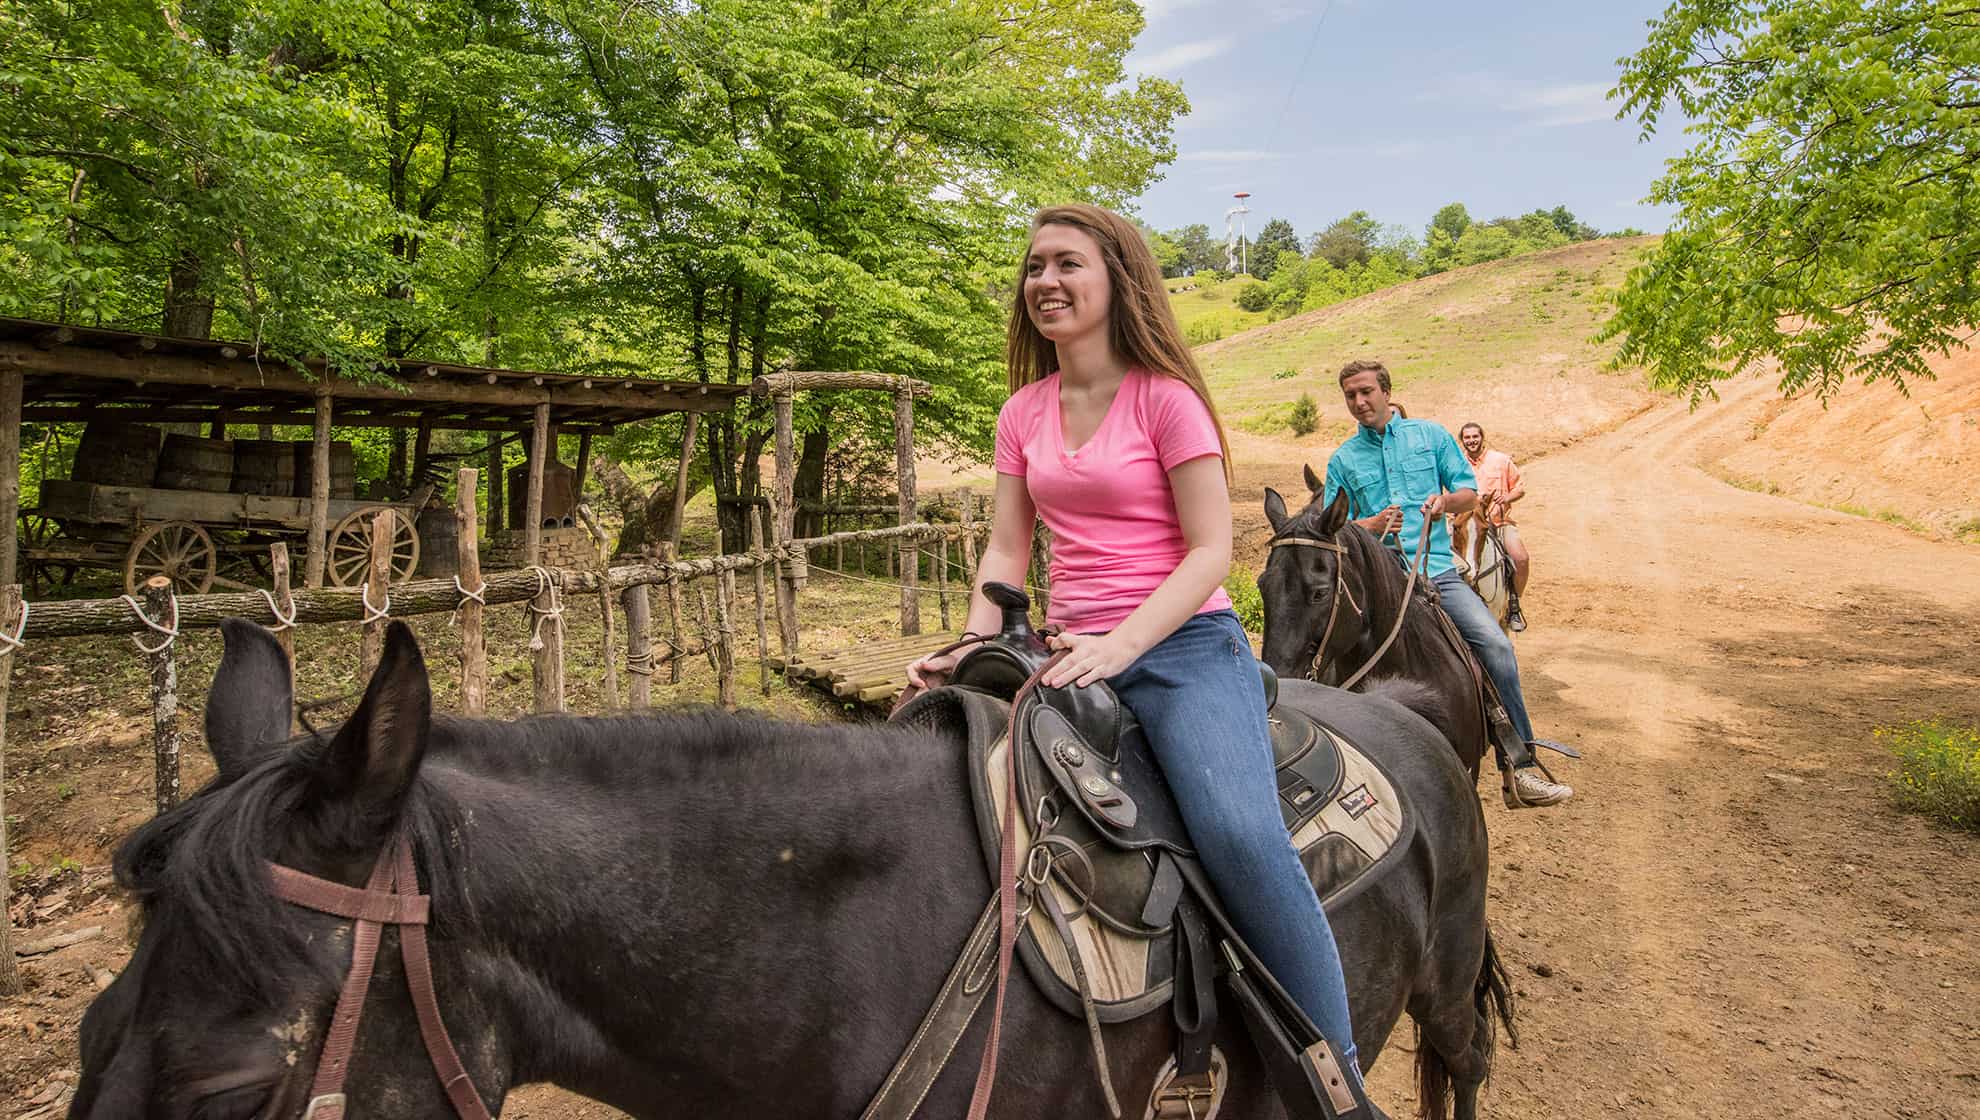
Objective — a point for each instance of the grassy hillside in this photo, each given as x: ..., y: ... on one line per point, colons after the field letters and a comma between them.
x: 1208, y: 311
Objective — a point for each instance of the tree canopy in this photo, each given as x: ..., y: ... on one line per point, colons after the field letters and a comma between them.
x: 1828, y: 213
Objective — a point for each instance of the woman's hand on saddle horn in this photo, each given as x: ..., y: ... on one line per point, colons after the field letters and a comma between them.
x: 1089, y: 658
x: 932, y: 670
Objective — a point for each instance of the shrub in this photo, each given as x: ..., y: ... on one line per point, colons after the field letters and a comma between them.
x: 1305, y: 415
x: 1938, y: 771
x: 1289, y: 373
x: 1254, y: 297
x: 1242, y: 587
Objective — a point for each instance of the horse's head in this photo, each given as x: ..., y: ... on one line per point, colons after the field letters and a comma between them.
x: 222, y: 1010
x: 1301, y: 586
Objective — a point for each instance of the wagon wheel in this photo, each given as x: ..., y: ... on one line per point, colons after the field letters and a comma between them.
x: 36, y: 532
x: 350, y: 547
x: 178, y: 550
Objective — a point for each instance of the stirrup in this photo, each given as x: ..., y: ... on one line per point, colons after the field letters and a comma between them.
x: 1515, y: 618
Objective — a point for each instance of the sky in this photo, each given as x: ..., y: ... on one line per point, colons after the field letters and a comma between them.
x: 1401, y: 107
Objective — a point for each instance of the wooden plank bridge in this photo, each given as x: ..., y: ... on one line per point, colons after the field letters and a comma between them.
x: 871, y: 673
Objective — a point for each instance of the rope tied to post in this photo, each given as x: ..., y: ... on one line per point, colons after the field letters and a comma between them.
x: 640, y: 664
x: 282, y: 621
x: 170, y: 630
x: 553, y: 611
x: 475, y: 596
x: 13, y: 643
x: 374, y: 614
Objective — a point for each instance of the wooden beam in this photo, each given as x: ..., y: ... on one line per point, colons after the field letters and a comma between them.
x: 474, y: 650
x: 319, y: 491
x: 793, y: 381
x: 539, y: 454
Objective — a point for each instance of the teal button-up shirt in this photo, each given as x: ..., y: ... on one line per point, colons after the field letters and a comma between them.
x: 1401, y: 466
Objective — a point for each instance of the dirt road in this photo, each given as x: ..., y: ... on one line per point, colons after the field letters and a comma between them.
x: 1730, y: 921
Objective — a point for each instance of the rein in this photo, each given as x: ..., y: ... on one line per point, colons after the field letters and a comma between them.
x: 391, y: 897
x: 1416, y: 568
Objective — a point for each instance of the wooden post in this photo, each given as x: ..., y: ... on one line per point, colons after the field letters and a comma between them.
x: 547, y: 647
x: 676, y: 616
x: 539, y: 454
x: 583, y: 465
x: 164, y: 697
x: 10, y: 480
x: 422, y: 456
x: 904, y: 466
x: 498, y: 512
x: 725, y: 633
x: 377, y: 588
x: 474, y: 648
x: 762, y: 610
x: 10, y: 606
x: 611, y: 637
x: 969, y: 541
x: 319, y: 488
x: 786, y: 521
x: 680, y: 487
x: 942, y: 582
x: 639, y: 643
x: 285, y: 601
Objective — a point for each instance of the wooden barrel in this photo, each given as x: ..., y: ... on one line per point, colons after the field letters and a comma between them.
x: 194, y: 463
x: 439, y: 534
x: 113, y: 453
x: 264, y: 466
x: 343, y: 469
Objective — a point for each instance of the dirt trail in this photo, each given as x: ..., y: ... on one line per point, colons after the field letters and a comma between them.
x: 1730, y: 921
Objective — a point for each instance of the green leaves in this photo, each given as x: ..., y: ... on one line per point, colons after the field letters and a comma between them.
x: 1827, y: 211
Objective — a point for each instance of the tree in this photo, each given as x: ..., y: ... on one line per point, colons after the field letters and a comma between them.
x: 1452, y: 220
x: 1352, y: 239
x: 1199, y: 252
x: 1305, y: 415
x: 1263, y: 253
x: 1254, y: 296
x: 1827, y: 215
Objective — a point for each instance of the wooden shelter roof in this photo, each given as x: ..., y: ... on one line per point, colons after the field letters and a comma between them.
x: 75, y: 373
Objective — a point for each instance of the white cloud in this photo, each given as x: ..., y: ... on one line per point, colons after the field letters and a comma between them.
x: 1154, y: 11
x: 1544, y: 104
x: 1182, y: 54
x: 1228, y: 155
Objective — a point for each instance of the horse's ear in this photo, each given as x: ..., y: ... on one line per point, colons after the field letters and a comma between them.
x: 377, y: 752
x: 1336, y: 515
x: 1275, y: 510
x: 1315, y: 485
x: 249, y: 707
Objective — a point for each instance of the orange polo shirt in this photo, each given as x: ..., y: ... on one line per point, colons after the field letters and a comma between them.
x: 1496, y: 475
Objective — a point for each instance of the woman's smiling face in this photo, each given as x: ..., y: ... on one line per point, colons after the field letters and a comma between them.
x: 1066, y: 289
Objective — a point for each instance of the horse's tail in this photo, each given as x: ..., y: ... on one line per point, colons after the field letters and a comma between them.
x: 1492, y: 996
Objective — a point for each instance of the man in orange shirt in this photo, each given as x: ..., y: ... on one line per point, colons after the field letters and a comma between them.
x: 1499, y: 486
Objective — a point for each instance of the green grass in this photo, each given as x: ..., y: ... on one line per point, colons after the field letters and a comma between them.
x: 1210, y: 312
x: 1887, y: 516
x: 1968, y: 531
x: 1938, y: 771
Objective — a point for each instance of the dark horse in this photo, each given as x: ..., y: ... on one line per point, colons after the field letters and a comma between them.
x: 1347, y: 601
x: 681, y: 915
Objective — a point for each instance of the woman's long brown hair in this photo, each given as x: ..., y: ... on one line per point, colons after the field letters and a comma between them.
x: 1140, y: 321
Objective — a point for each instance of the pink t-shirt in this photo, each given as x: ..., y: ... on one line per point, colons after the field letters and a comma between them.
x: 1115, y: 533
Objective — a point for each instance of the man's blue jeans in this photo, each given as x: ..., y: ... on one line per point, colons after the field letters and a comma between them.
x: 1495, y: 650
x: 1201, y: 703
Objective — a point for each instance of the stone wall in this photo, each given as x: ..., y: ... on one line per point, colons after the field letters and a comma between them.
x: 562, y: 548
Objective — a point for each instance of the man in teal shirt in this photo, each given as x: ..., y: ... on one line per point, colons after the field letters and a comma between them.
x: 1397, y: 472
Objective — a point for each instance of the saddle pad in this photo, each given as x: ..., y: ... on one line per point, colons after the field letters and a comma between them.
x: 1131, y: 972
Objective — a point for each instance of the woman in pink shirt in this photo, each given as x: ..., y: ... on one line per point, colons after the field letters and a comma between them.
x: 1110, y: 438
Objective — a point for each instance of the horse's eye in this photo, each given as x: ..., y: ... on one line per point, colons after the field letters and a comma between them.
x: 242, y: 1103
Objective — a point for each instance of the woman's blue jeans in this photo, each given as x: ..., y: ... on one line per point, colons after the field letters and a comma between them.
x: 1201, y: 703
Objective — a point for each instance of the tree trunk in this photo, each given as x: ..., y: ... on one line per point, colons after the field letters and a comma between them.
x: 811, y: 480
x: 188, y: 310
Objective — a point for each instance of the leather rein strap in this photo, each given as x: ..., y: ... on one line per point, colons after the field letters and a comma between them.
x: 390, y: 897
x: 1416, y: 568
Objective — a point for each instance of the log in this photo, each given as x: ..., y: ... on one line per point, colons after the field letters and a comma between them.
x: 319, y: 489
x: 762, y: 611
x: 164, y: 695
x: 910, y: 566
x: 639, y: 643
x: 285, y: 600
x: 794, y: 381
x: 546, y: 643
x: 377, y: 590
x: 474, y: 647
x: 725, y: 636
x: 10, y: 976
x: 611, y: 635
x: 539, y: 454
x: 675, y: 618
x: 49, y: 944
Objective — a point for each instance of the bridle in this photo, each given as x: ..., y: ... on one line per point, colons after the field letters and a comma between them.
x: 1419, y: 565
x: 391, y: 897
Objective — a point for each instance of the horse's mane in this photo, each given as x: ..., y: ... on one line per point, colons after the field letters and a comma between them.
x: 208, y: 854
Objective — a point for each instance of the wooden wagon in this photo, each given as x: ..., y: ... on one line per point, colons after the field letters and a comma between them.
x: 193, y: 536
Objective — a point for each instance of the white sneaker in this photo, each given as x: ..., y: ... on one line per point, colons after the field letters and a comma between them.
x: 1530, y: 788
